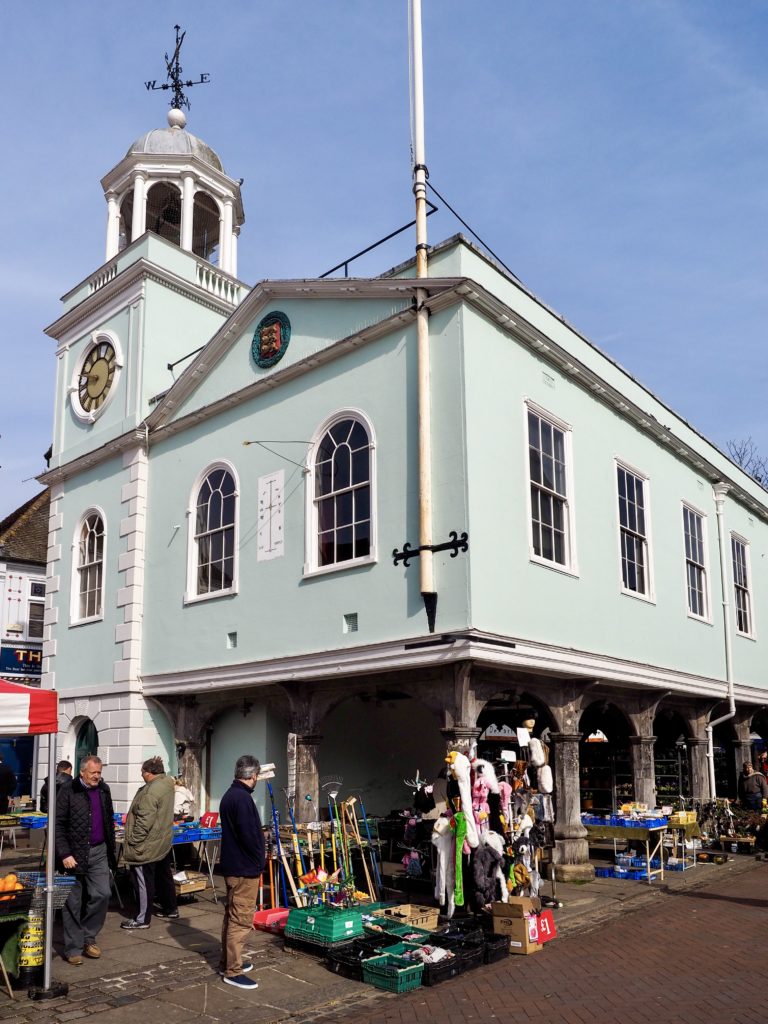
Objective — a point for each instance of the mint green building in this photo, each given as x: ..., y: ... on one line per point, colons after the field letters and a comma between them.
x: 235, y: 480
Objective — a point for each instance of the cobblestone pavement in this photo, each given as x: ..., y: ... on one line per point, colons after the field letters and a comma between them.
x: 627, y: 952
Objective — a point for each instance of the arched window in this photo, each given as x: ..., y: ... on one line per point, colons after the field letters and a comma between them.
x: 90, y: 567
x: 215, y: 520
x: 164, y: 211
x: 205, y: 227
x: 342, y: 494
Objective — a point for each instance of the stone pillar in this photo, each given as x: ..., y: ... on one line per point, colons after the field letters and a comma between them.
x: 138, y: 225
x: 187, y: 211
x: 641, y: 749
x: 190, y: 754
x: 113, y: 225
x: 697, y: 768
x: 460, y: 738
x: 571, y: 853
x: 233, y: 254
x: 307, y: 778
x: 225, y: 237
x: 742, y: 752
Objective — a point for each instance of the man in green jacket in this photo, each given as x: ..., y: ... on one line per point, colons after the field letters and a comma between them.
x: 147, y: 849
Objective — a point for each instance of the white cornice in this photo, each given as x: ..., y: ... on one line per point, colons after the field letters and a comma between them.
x: 110, y: 450
x: 483, y: 650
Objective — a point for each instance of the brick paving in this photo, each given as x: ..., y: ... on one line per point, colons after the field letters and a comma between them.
x: 685, y: 951
x: 691, y: 957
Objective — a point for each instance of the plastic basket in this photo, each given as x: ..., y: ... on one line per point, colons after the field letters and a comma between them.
x: 411, y: 913
x: 347, y: 962
x: 383, y: 926
x: 392, y: 973
x: 14, y: 902
x: 373, y: 945
x: 496, y: 948
x: 433, y: 973
x: 324, y: 924
x: 465, y: 931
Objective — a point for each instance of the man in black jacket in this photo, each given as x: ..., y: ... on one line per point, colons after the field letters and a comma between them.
x: 242, y: 862
x: 85, y: 847
x: 63, y: 774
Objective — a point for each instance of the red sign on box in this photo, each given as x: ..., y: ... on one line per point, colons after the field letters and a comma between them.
x: 541, y: 927
x: 210, y: 819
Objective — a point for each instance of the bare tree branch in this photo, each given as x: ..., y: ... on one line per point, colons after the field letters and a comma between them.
x: 746, y: 454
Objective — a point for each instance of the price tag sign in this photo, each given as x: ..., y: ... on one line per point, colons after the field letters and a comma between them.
x: 210, y: 819
x: 547, y: 929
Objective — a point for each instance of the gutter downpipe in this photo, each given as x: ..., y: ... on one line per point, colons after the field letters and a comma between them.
x: 720, y: 490
x: 426, y: 563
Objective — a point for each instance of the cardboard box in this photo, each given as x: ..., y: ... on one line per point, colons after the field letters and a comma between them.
x: 513, y: 919
x: 519, y: 938
x: 195, y: 881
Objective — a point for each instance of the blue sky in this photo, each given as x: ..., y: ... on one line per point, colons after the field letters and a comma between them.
x: 613, y: 154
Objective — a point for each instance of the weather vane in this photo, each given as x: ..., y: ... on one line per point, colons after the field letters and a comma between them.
x: 175, y: 82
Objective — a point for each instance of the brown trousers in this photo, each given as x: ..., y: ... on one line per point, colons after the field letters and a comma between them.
x: 242, y: 894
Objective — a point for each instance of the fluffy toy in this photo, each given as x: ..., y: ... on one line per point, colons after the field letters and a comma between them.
x: 461, y: 770
x: 412, y: 864
x: 487, y: 870
x: 445, y: 873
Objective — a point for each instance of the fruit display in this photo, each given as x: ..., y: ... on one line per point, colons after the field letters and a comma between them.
x: 9, y: 885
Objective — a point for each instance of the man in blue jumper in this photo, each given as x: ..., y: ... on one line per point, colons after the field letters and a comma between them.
x: 242, y: 862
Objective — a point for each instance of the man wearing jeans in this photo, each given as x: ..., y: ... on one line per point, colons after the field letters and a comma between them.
x: 85, y: 847
x: 242, y: 862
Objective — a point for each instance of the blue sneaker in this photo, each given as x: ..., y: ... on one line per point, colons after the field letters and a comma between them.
x: 240, y: 981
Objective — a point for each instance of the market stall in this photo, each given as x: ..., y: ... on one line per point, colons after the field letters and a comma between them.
x: 28, y: 711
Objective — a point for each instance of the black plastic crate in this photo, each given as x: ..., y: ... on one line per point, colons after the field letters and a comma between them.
x: 446, y: 969
x: 466, y: 931
x: 496, y: 948
x: 472, y: 955
x: 15, y: 901
x: 318, y: 949
x: 372, y: 944
x: 346, y: 963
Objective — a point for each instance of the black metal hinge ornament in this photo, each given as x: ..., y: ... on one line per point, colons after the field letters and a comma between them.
x: 455, y: 545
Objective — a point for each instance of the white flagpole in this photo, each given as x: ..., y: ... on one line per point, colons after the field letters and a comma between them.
x: 426, y: 566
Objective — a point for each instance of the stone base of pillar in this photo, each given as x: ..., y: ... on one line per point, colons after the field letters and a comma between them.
x: 574, y: 872
x: 571, y: 860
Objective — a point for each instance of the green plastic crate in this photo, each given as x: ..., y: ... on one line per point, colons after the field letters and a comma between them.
x: 324, y: 924
x: 392, y: 973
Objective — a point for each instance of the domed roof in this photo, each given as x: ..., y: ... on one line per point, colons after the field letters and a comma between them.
x: 175, y: 141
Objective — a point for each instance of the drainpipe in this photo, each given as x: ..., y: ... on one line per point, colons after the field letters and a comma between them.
x: 720, y: 490
x: 426, y: 567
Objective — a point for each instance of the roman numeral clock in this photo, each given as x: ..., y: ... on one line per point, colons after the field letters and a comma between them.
x: 94, y: 378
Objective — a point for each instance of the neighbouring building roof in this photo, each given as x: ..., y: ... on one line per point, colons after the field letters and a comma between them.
x: 24, y: 533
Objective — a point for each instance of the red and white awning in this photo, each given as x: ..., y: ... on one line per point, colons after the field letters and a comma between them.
x: 27, y: 710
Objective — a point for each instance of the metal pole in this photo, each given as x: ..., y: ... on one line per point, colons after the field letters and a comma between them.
x: 426, y: 567
x: 50, y: 860
x: 720, y: 490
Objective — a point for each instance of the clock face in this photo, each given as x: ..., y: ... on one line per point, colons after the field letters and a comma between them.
x: 97, y: 375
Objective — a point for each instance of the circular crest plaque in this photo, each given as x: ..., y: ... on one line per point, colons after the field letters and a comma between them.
x: 270, y: 339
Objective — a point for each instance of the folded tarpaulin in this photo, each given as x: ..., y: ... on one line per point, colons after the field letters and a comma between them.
x: 27, y: 710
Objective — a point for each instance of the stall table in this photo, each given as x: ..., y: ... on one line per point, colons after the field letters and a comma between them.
x: 679, y: 835
x: 651, y: 839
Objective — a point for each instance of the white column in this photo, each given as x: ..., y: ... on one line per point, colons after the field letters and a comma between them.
x: 113, y: 225
x: 233, y: 254
x: 225, y: 244
x: 187, y: 211
x: 139, y: 205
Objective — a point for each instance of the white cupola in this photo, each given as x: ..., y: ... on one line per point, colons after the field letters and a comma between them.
x: 172, y: 183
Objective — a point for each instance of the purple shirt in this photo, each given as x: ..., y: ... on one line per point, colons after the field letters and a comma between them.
x: 97, y: 817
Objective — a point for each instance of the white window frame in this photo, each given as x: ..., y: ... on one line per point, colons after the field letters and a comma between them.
x: 311, y: 560
x: 95, y: 338
x: 707, y: 596
x: 649, y: 594
x: 570, y: 566
x: 737, y: 538
x: 75, y: 618
x: 190, y: 595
